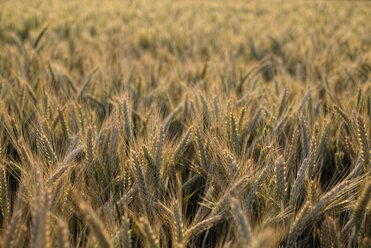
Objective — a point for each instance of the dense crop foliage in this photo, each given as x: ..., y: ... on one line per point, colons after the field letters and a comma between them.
x: 185, y: 124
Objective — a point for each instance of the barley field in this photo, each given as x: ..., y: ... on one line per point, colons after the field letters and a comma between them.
x: 185, y: 123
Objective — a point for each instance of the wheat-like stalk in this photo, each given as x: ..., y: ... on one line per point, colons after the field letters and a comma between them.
x: 4, y: 193
x: 62, y: 235
x: 363, y: 142
x: 41, y: 220
x: 90, y: 152
x: 179, y: 227
x: 202, y: 150
x: 233, y: 132
x: 299, y: 181
x: 243, y: 226
x: 304, y: 137
x: 359, y: 210
x: 280, y: 178
x: 203, y: 225
x: 12, y: 231
x: 127, y: 121
x: 143, y: 189
x: 255, y: 187
x: 94, y: 223
x: 182, y: 145
x: 63, y: 124
x: 150, y: 236
x: 153, y: 172
x: 125, y: 233
x: 311, y: 213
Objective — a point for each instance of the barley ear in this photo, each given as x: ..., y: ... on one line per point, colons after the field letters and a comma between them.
x: 179, y: 228
x: 143, y: 189
x: 242, y: 224
x: 296, y: 188
x: 149, y: 235
x: 127, y: 122
x: 304, y: 137
x: 62, y: 235
x: 125, y: 233
x: 94, y: 223
x: 363, y: 142
x: 12, y: 230
x: 360, y: 208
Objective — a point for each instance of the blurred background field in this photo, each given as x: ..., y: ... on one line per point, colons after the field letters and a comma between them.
x: 314, y: 38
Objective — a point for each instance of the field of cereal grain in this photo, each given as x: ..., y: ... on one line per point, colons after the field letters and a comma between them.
x: 185, y: 123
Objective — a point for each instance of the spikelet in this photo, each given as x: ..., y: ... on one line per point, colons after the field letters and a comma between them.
x: 297, y: 225
x: 89, y: 146
x: 202, y: 150
x: 280, y: 178
x: 47, y: 109
x: 363, y: 142
x: 160, y: 147
x: 359, y: 99
x: 126, y: 177
x: 339, y: 157
x: 320, y: 147
x: 280, y: 126
x: 40, y: 225
x: 63, y: 124
x: 360, y: 207
x: 237, y: 186
x: 296, y: 188
x: 46, y: 148
x: 349, y: 147
x: 22, y: 99
x: 172, y: 115
x: 165, y: 213
x: 127, y: 122
x: 308, y: 214
x: 4, y: 194
x: 201, y: 226
x: 333, y: 232
x: 179, y: 228
x: 233, y: 134
x: 182, y: 145
x: 62, y: 235
x: 113, y: 161
x: 304, y: 137
x: 95, y: 224
x: 149, y: 235
x: 232, y: 164
x: 282, y: 102
x: 250, y: 196
x: 153, y: 172
x: 324, y: 235
x: 206, y: 112
x: 242, y: 224
x: 216, y: 109
x: 12, y: 232
x: 313, y: 192
x: 125, y: 233
x: 290, y: 154
x: 185, y: 115
x: 347, y: 120
x: 241, y: 118
x: 81, y: 119
x: 254, y: 121
x: 32, y: 94
x: 143, y: 189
